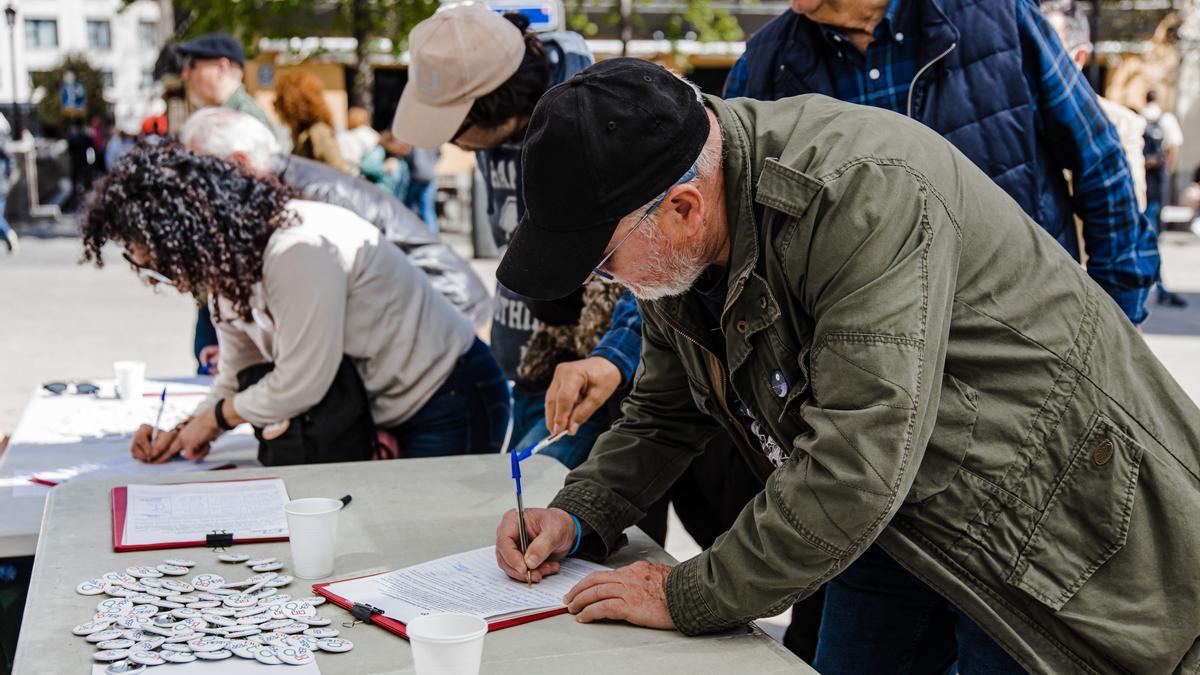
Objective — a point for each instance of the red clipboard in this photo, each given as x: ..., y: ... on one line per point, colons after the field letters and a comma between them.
x: 397, y: 627
x: 119, y: 497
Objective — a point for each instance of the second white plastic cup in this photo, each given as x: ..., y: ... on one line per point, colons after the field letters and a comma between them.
x: 131, y: 379
x: 447, y: 644
x: 312, y: 533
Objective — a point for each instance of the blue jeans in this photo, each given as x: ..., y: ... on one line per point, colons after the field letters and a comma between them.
x: 880, y: 619
x: 4, y: 226
x: 467, y: 415
x: 529, y: 427
x: 206, y: 334
x: 422, y: 199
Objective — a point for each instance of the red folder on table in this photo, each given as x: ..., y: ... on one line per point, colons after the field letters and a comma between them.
x: 119, y: 496
x: 397, y: 627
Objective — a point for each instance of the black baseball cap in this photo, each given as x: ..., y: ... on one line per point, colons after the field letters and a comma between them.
x: 214, y: 46
x: 599, y: 146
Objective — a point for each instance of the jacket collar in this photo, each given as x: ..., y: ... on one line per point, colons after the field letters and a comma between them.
x: 801, y: 57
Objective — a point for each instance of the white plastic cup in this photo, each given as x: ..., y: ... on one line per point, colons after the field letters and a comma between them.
x: 131, y: 379
x: 312, y: 533
x: 447, y: 644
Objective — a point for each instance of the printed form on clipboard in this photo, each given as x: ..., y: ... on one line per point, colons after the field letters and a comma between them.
x: 467, y: 583
x: 177, y: 515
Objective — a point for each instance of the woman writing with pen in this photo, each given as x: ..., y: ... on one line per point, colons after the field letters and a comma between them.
x: 325, y: 330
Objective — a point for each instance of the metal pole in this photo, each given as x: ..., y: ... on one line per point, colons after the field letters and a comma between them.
x: 12, y: 58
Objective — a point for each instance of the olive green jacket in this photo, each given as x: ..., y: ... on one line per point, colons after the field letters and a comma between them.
x: 958, y: 391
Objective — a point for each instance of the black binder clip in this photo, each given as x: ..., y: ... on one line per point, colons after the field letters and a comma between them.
x: 218, y: 540
x: 362, y: 613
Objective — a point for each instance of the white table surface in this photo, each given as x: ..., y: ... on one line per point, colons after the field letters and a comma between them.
x: 63, y: 432
x: 404, y: 512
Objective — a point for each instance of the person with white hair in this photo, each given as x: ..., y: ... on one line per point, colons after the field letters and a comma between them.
x: 243, y: 139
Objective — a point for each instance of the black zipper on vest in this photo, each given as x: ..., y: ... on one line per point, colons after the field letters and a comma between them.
x: 913, y: 86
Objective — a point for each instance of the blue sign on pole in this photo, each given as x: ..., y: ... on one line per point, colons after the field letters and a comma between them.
x: 74, y: 97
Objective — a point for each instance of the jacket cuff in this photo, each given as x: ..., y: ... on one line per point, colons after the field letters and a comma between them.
x: 625, y: 363
x: 687, y: 601
x: 603, y: 510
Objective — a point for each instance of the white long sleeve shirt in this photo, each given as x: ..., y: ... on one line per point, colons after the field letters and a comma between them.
x: 332, y: 287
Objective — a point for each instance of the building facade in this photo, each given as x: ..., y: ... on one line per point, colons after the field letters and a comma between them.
x: 122, y: 44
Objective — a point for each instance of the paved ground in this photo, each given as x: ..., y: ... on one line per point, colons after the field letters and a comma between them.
x: 60, y: 320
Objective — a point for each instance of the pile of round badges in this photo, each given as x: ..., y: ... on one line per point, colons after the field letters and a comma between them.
x: 151, y: 616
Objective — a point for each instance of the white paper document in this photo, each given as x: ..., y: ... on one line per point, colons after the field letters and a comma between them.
x: 467, y: 583
x: 125, y: 466
x: 157, y: 514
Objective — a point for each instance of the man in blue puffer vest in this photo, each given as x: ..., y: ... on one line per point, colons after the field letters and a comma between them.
x: 993, y: 79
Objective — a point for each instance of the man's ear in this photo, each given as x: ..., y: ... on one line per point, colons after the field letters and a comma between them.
x: 686, y: 206
x: 243, y: 160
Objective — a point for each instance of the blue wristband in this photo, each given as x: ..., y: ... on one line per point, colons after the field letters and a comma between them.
x: 578, y: 535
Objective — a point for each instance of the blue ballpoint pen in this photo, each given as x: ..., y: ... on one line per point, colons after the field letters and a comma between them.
x: 515, y: 458
x: 162, y: 403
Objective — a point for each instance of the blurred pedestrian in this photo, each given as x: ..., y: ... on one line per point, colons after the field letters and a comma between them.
x: 1163, y: 138
x: 212, y: 71
x: 1073, y: 29
x: 357, y: 139
x: 386, y: 166
x: 300, y: 103
x: 123, y: 140
x: 994, y: 79
x: 322, y: 322
x: 81, y: 154
x: 8, y: 176
x: 421, y: 196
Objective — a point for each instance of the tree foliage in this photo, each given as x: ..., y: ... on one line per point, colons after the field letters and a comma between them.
x: 49, y: 108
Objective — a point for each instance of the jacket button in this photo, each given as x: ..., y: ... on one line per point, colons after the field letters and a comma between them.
x: 742, y: 326
x: 762, y: 301
x: 1103, y: 452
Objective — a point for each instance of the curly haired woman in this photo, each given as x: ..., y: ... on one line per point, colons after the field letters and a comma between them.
x: 300, y: 285
x: 300, y: 102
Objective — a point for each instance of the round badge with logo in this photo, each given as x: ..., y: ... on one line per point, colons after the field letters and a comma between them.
x: 180, y: 562
x: 321, y: 632
x: 111, y: 655
x: 218, y: 620
x: 93, y: 587
x: 266, y: 654
x: 177, y: 647
x: 101, y: 636
x: 250, y: 611
x: 281, y: 580
x: 268, y: 567
x: 316, y: 620
x: 146, y: 658
x: 204, y: 604
x: 242, y: 648
x: 233, y: 557
x: 177, y: 586
x: 125, y: 668
x: 178, y: 657
x: 294, y: 656
x: 217, y: 655
x: 207, y: 582
x: 172, y: 570
x: 208, y: 643
x: 242, y: 632
x: 115, y: 643
x: 239, y: 601
x: 260, y: 561
x: 141, y: 571
x: 336, y: 645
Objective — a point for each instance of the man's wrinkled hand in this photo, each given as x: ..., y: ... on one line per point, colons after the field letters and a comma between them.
x: 578, y: 389
x: 551, y: 534
x: 635, y: 593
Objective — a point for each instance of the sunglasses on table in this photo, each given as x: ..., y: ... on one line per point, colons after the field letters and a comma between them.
x: 82, y: 388
x: 147, y: 273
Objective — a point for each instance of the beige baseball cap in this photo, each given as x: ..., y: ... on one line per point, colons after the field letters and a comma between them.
x: 459, y: 54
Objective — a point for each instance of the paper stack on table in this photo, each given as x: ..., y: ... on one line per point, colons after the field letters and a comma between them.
x: 186, y: 512
x: 466, y: 583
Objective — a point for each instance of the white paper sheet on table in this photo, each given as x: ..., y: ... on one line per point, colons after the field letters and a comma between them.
x: 230, y: 666
x: 251, y: 509
x: 125, y: 466
x: 468, y: 583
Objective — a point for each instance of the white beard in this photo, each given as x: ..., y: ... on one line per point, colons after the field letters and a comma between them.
x: 676, y: 269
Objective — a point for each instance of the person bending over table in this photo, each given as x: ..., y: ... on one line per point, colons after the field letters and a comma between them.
x: 305, y: 287
x: 899, y: 351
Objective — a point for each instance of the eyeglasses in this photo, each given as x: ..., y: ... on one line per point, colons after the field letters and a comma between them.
x: 691, y: 173
x: 59, y: 388
x: 147, y: 273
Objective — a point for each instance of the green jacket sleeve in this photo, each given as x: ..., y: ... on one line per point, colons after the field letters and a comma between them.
x: 634, y: 464
x: 878, y: 276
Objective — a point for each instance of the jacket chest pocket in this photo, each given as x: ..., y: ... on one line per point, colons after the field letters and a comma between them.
x: 1086, y: 519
